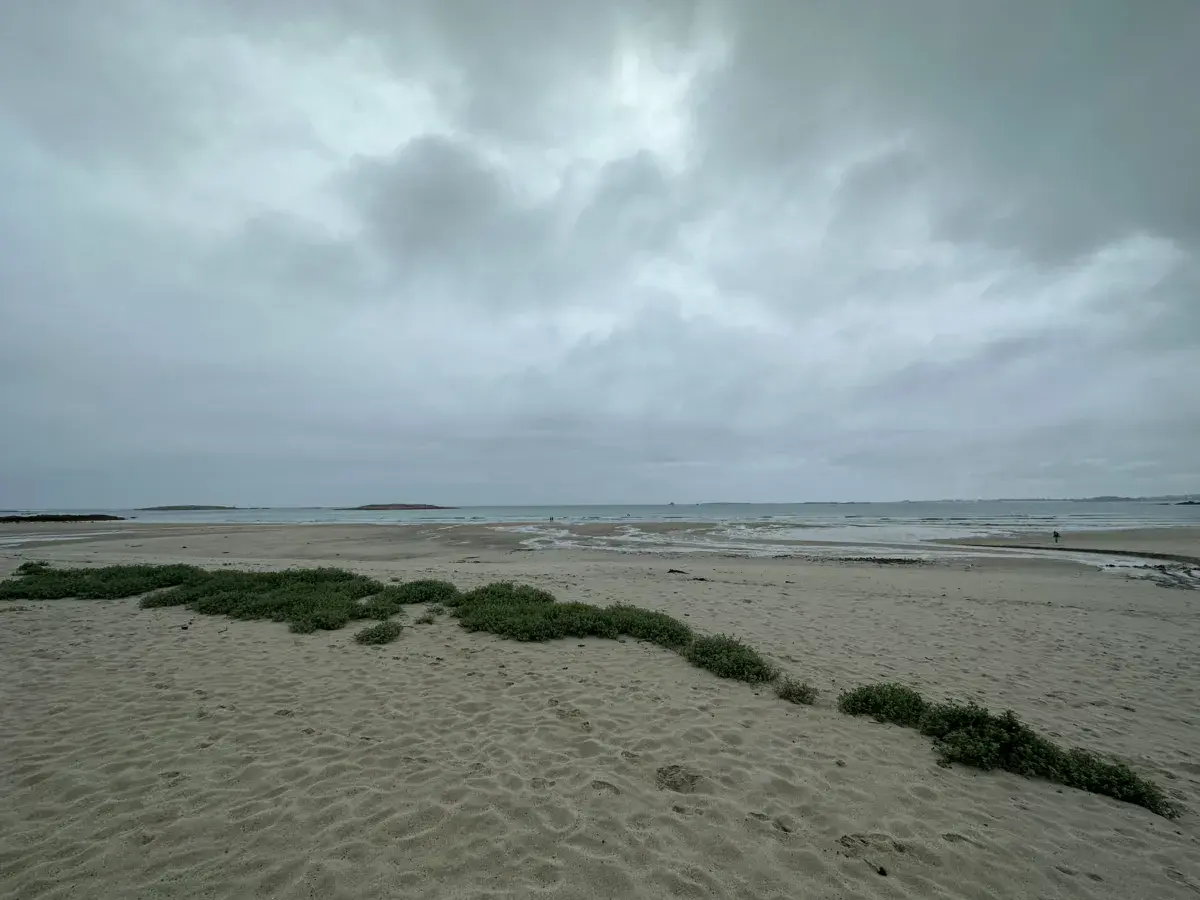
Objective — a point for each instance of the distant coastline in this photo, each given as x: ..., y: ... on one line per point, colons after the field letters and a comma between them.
x: 60, y: 517
x: 384, y: 506
x: 181, y: 508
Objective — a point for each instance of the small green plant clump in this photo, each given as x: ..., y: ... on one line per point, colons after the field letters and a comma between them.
x: 730, y: 658
x: 424, y: 619
x: 971, y: 735
x: 885, y: 702
x: 425, y: 590
x: 307, y: 599
x: 647, y: 625
x: 793, y: 691
x: 39, y: 581
x: 383, y: 633
x: 530, y: 614
x: 33, y: 567
x: 501, y: 593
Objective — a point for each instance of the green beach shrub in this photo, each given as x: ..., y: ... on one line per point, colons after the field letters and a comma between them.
x: 971, y: 735
x: 535, y: 621
x: 527, y: 613
x: 793, y: 691
x: 37, y: 581
x: 307, y: 599
x: 730, y: 658
x: 505, y: 593
x: 383, y: 633
x: 32, y: 567
x: 647, y: 625
x: 885, y: 702
x: 427, y: 590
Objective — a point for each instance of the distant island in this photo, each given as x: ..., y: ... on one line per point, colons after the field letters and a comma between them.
x: 383, y: 506
x: 1188, y: 503
x: 61, y: 517
x: 180, y: 508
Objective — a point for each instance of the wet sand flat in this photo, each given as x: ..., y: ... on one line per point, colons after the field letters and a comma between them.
x: 1181, y: 542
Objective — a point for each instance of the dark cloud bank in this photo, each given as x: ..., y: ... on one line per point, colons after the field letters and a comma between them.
x: 561, y: 251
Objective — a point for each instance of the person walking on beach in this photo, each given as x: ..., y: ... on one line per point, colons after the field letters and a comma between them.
x: 1056, y: 537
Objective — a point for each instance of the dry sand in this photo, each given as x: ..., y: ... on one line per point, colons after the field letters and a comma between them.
x: 140, y: 758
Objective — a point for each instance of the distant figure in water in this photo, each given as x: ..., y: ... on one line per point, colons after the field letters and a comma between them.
x: 1056, y: 537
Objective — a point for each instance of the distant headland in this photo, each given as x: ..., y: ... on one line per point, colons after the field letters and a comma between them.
x: 61, y: 517
x: 385, y: 506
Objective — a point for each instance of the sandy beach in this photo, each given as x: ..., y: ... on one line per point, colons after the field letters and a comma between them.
x: 162, y: 753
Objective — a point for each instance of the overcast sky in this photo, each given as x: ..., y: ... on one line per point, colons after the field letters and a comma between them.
x: 303, y: 252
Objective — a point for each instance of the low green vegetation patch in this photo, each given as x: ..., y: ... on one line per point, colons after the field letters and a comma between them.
x: 885, y: 702
x: 39, y: 581
x: 383, y: 633
x: 307, y: 599
x: 502, y: 593
x: 730, y: 658
x: 647, y: 625
x: 793, y: 691
x: 970, y: 734
x: 426, y: 590
x: 531, y: 614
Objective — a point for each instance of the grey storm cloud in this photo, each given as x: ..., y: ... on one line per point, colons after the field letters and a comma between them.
x: 557, y: 251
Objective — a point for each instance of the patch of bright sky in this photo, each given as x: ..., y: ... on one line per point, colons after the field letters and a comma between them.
x: 281, y: 127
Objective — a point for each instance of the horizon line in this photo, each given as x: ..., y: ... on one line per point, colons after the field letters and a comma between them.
x: 198, y: 507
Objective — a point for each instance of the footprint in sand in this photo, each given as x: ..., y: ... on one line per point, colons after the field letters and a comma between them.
x: 778, y: 823
x: 680, y: 779
x: 570, y: 714
x: 858, y: 845
x: 955, y: 838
